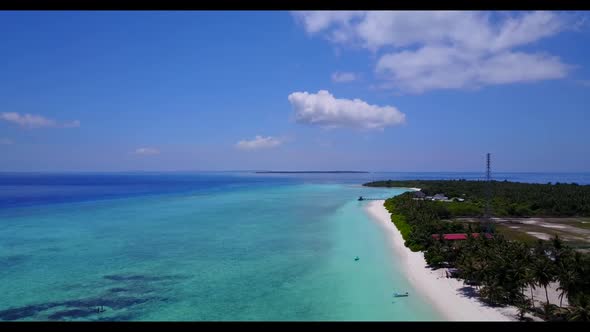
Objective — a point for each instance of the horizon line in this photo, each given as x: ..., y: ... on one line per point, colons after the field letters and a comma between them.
x: 280, y: 171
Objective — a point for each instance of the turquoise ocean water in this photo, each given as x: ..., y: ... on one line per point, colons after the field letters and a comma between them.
x: 197, y: 247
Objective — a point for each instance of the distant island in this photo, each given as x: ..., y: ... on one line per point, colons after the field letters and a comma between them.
x: 307, y: 172
x: 507, y: 239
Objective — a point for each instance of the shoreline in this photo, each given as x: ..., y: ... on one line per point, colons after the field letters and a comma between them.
x: 445, y: 294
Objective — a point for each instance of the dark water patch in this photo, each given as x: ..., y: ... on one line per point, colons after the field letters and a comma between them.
x: 129, y: 278
x: 118, y: 318
x: 114, y: 303
x: 73, y: 313
x: 118, y: 290
x: 23, y: 190
x: 132, y: 288
x: 141, y: 277
x: 53, y: 249
x: 10, y: 261
x: 12, y: 241
x: 74, y: 308
x: 26, y: 311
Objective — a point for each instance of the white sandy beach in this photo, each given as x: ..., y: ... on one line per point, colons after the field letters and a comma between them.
x: 444, y: 293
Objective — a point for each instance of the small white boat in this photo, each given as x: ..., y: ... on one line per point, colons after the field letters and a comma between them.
x: 396, y: 294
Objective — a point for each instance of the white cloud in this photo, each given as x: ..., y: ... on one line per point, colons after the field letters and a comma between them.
x: 526, y: 29
x: 343, y: 77
x: 427, y: 50
x: 147, y: 151
x: 27, y: 120
x: 35, y: 121
x: 431, y: 68
x: 258, y: 143
x: 71, y: 124
x: 5, y: 141
x: 315, y: 21
x: 324, y: 110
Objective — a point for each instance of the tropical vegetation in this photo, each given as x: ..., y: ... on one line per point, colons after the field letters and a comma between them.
x: 503, y: 272
x: 509, y: 198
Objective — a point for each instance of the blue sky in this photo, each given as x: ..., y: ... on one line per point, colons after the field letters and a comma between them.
x: 158, y: 91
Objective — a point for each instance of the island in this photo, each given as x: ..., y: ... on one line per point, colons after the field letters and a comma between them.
x: 514, y: 245
x: 309, y: 172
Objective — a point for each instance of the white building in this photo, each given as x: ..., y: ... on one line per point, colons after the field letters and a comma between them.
x: 440, y: 197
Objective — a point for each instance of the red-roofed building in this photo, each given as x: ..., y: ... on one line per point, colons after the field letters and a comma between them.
x: 459, y: 236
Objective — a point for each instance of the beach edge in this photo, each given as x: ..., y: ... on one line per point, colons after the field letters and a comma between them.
x: 442, y: 292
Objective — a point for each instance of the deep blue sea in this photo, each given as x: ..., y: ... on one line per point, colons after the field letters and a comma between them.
x: 204, y: 246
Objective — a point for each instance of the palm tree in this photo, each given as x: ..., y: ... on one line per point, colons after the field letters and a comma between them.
x: 516, y: 260
x: 568, y: 279
x: 529, y: 279
x: 580, y: 263
x: 493, y: 292
x: 519, y: 277
x: 543, y: 272
x: 568, y: 274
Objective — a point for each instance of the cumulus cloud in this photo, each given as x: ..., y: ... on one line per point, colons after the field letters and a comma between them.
x: 258, y: 143
x: 343, y: 77
x: 325, y: 110
x: 316, y: 21
x: 431, y: 68
x: 147, y: 151
x: 420, y: 51
x: 35, y: 121
x: 5, y: 141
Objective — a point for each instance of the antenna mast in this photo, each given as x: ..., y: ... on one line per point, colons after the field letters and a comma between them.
x: 488, y: 192
x: 489, y: 171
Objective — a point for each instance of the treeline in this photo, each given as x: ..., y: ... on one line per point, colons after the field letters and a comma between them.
x: 508, y: 198
x: 503, y: 271
x: 418, y: 220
